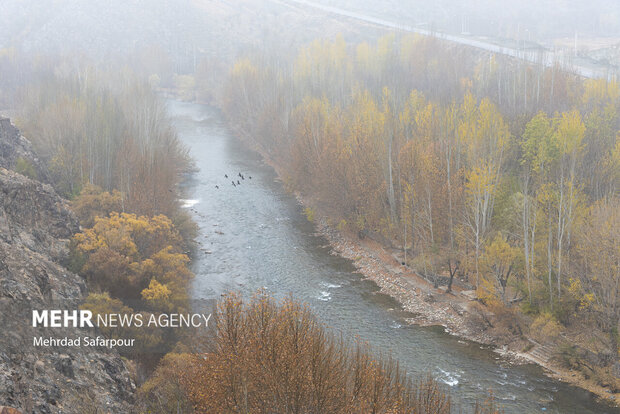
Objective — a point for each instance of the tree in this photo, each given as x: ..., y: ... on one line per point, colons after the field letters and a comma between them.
x: 135, y: 257
x: 94, y: 202
x: 598, y: 266
x: 275, y: 357
x: 500, y: 258
x: 90, y: 133
x: 451, y: 145
x: 103, y: 304
x: 480, y: 188
x: 485, y: 136
x: 157, y: 296
x: 569, y: 135
x: 366, y: 173
x: 538, y: 152
x: 163, y: 392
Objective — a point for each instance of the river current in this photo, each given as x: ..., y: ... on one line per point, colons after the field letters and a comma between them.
x: 254, y: 235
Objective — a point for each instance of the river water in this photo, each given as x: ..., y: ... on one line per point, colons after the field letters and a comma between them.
x: 254, y: 236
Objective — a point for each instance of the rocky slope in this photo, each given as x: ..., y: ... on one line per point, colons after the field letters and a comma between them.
x: 14, y: 148
x: 35, y: 226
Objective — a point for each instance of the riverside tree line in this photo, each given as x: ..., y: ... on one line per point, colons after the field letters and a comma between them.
x: 111, y: 150
x: 502, y: 172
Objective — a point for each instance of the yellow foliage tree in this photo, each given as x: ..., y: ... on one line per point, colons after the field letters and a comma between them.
x: 136, y: 257
x: 500, y: 260
x: 94, y: 202
x: 156, y: 296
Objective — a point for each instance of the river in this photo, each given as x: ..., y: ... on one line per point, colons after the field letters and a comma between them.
x: 254, y: 236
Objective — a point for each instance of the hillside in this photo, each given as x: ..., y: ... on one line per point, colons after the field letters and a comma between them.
x: 35, y: 225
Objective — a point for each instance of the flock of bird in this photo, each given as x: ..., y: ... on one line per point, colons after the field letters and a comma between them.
x: 238, y: 181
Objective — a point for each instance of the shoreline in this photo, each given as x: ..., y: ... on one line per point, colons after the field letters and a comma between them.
x: 450, y: 315
x: 403, y: 284
x: 430, y: 306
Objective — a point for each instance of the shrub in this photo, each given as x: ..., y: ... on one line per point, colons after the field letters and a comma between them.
x: 26, y: 168
x: 342, y: 225
x: 163, y: 391
x: 93, y: 202
x: 568, y: 357
x: 135, y: 257
x: 309, y: 213
x: 545, y: 328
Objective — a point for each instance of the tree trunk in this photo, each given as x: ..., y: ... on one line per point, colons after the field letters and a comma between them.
x: 452, y: 274
x: 613, y: 339
x: 549, y: 263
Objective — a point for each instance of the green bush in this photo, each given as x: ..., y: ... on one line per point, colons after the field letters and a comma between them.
x: 309, y: 213
x: 568, y: 356
x: 26, y: 168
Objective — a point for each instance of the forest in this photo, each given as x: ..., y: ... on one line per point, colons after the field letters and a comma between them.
x: 494, y: 172
x: 491, y: 178
x: 112, y: 152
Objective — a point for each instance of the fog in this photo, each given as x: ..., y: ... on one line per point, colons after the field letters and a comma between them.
x: 462, y: 156
x: 186, y: 29
x: 544, y: 21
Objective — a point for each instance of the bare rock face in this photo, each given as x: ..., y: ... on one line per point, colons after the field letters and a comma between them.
x: 33, y: 215
x: 35, y: 227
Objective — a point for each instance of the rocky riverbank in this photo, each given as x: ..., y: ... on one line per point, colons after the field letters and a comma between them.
x: 458, y: 312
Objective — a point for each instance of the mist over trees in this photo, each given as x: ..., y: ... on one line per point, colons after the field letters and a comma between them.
x: 110, y: 148
x: 483, y: 172
x: 109, y: 133
x: 471, y: 165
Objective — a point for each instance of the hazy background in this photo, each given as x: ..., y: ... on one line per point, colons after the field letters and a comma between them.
x: 189, y: 29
